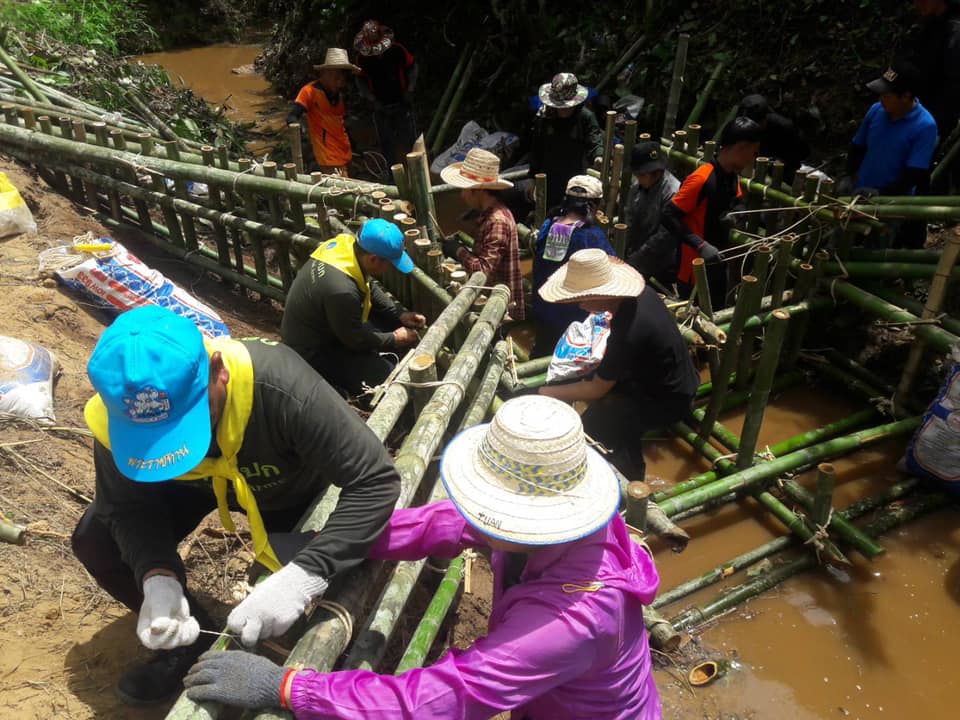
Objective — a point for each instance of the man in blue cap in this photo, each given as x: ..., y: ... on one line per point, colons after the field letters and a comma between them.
x: 183, y: 426
x: 340, y: 320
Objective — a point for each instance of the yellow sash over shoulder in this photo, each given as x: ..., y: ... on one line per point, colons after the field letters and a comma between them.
x: 339, y: 253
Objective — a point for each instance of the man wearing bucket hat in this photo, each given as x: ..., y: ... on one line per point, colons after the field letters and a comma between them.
x: 497, y: 249
x: 566, y: 138
x: 646, y: 379
x: 388, y: 76
x: 571, y: 230
x: 322, y: 102
x: 184, y: 425
x: 341, y: 321
x: 650, y: 248
x: 566, y: 636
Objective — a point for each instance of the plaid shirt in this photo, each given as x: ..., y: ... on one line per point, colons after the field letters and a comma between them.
x: 497, y: 253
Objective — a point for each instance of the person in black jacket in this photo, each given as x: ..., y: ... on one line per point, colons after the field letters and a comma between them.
x: 566, y: 137
x: 183, y: 426
x: 339, y: 319
x: 780, y: 137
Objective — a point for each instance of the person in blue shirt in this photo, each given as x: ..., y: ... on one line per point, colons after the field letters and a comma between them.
x: 561, y: 236
x: 893, y: 148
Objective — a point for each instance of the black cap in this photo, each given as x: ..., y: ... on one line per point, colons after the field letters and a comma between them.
x: 646, y: 157
x: 901, y: 77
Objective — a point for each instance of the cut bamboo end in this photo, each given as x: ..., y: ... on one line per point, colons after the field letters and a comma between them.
x: 12, y: 533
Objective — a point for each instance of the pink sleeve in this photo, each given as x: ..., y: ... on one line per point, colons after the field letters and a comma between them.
x: 437, y: 529
x: 533, y: 651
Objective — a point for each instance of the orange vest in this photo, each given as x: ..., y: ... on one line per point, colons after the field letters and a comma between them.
x: 328, y: 135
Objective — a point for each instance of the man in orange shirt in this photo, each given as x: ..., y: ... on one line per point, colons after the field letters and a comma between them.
x: 698, y: 214
x: 322, y: 101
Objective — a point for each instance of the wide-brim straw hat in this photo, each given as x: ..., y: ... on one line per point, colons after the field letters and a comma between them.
x: 563, y: 91
x: 480, y: 170
x: 592, y: 274
x: 337, y: 59
x: 528, y: 476
x: 373, y: 39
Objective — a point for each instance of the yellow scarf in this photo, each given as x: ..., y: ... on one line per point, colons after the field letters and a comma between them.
x: 339, y: 253
x: 230, y: 432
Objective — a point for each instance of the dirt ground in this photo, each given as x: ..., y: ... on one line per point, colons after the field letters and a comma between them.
x: 64, y: 640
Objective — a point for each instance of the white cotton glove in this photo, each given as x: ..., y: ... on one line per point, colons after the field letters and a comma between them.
x: 165, y: 621
x: 275, y: 604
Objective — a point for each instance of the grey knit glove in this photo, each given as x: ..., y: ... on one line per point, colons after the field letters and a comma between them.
x: 234, y: 677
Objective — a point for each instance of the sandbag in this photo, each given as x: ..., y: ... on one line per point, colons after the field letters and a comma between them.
x: 934, y: 449
x: 115, y: 279
x: 472, y: 135
x: 581, y: 348
x: 15, y: 216
x: 26, y: 380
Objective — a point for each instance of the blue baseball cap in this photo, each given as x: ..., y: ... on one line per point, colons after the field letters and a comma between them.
x: 152, y: 372
x: 382, y: 238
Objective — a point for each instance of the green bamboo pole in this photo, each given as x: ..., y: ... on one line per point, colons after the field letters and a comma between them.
x: 799, y: 526
x: 707, y: 91
x: 910, y: 304
x: 937, y: 338
x: 426, y: 631
x: 627, y: 56
x: 153, y: 120
x: 897, y: 255
x: 418, y: 175
x: 616, y: 178
x: 220, y: 233
x: 895, y: 515
x: 804, y: 290
x: 749, y: 289
x: 437, y: 145
x: 779, y: 282
x: 19, y: 74
x: 479, y: 405
x: 619, y: 241
x: 533, y: 367
x: 676, y: 84
x: 412, y: 462
x: 917, y: 200
x: 752, y: 476
x: 852, y: 512
x: 452, y: 84
x: 857, y: 270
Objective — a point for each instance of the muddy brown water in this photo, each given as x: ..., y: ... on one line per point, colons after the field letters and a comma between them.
x: 208, y: 71
x: 875, y: 640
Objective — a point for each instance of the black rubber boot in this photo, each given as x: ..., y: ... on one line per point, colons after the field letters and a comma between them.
x: 161, y: 677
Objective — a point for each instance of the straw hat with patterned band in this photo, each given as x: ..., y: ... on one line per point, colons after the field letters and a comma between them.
x: 373, y: 39
x: 528, y: 476
x: 336, y: 59
x: 480, y: 170
x: 591, y: 274
x: 563, y: 91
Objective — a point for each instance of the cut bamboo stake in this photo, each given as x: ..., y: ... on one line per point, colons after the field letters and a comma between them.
x: 423, y: 370
x: 607, y: 157
x: 749, y: 289
x: 663, y: 636
x: 769, y: 358
x: 294, y: 137
x: 213, y: 192
x: 613, y: 186
x: 935, y: 299
x: 620, y: 239
x: 804, y: 290
x: 748, y: 338
x: 676, y: 85
x: 701, y: 287
x: 540, y: 202
x: 12, y: 533
x: 638, y: 496
x: 626, y: 178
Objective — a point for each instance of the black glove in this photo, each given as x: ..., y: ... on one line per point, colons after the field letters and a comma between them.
x: 236, y: 678
x: 709, y: 253
x: 450, y: 247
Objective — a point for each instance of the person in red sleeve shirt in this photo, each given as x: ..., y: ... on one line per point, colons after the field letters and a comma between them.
x: 322, y: 102
x: 497, y: 249
x: 388, y: 76
x: 697, y: 217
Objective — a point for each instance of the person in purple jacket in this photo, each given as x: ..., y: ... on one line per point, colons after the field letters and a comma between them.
x: 566, y: 635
